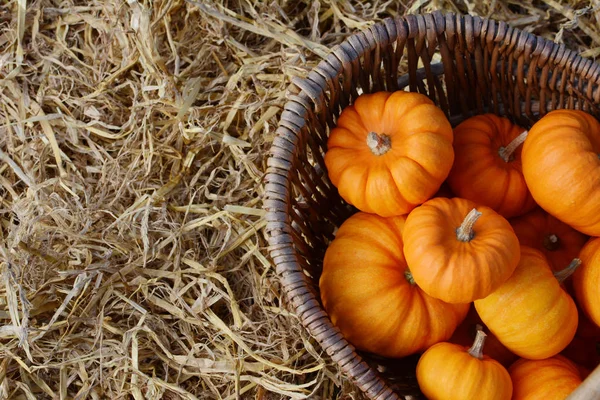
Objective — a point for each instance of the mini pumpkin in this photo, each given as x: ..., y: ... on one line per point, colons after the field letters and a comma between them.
x: 553, y: 378
x: 458, y: 251
x: 448, y: 371
x: 538, y: 318
x: 586, y: 280
x: 389, y: 152
x: 561, y: 166
x: 559, y: 242
x: 487, y: 165
x: 368, y: 291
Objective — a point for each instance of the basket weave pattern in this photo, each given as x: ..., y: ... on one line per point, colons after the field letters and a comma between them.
x: 466, y: 65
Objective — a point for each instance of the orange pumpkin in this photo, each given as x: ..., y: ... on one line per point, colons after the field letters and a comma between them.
x: 559, y: 242
x: 561, y: 165
x: 389, y: 152
x: 531, y: 313
x: 368, y: 292
x: 553, y: 378
x: 467, y: 331
x: 487, y: 165
x: 586, y: 280
x: 458, y: 251
x: 451, y: 371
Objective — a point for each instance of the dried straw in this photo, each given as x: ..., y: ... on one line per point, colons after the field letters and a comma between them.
x: 133, y: 138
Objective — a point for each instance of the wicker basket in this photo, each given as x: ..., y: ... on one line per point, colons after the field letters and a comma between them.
x: 484, y: 66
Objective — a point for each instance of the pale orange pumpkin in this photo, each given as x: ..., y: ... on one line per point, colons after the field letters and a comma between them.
x: 389, y: 152
x: 368, y: 292
x: 586, y: 280
x: 448, y: 371
x: 559, y: 242
x: 458, y: 251
x: 553, y: 378
x: 561, y: 166
x: 531, y: 313
x: 487, y: 165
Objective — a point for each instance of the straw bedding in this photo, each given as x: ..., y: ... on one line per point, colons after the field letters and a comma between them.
x: 133, y: 142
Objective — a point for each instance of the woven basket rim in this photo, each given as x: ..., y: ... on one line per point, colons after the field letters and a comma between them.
x: 308, y: 93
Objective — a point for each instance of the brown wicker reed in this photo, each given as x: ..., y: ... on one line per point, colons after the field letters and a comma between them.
x: 483, y: 66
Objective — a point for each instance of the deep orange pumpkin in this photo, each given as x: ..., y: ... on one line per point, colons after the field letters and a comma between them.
x: 553, y: 378
x: 586, y: 280
x: 389, y: 152
x: 531, y: 313
x: 458, y: 251
x: 448, y: 371
x: 559, y: 242
x: 466, y: 332
x: 367, y: 290
x: 487, y: 165
x: 561, y: 165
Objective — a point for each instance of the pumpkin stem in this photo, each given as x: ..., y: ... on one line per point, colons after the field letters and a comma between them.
x: 379, y: 144
x: 409, y: 277
x: 506, y: 152
x: 551, y: 242
x: 567, y: 272
x: 465, y: 232
x: 476, y: 349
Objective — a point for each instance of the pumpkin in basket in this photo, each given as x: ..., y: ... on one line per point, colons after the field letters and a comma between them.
x: 487, y: 165
x: 586, y: 280
x: 448, y: 371
x: 553, y: 378
x: 368, y: 291
x: 531, y: 313
x: 389, y: 152
x: 458, y: 251
x: 561, y: 165
x: 559, y: 242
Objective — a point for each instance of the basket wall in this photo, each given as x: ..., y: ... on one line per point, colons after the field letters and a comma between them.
x: 466, y: 65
